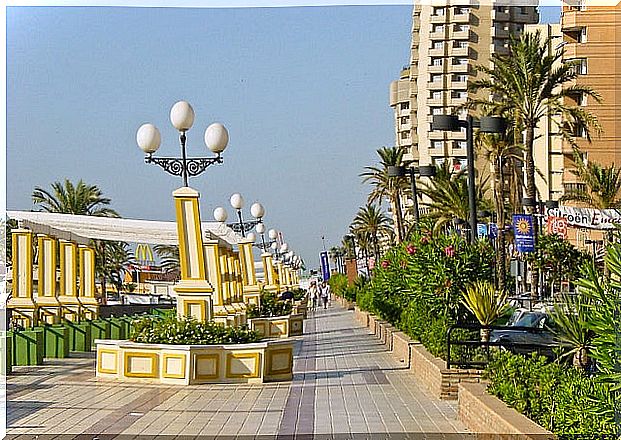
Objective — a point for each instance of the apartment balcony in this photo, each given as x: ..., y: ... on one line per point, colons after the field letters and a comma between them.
x: 500, y: 50
x: 435, y: 102
x: 436, y: 135
x: 405, y: 127
x: 501, y: 16
x: 438, y: 35
x: 436, y: 68
x: 531, y: 17
x: 458, y: 85
x: 457, y: 101
x: 461, y: 18
x: 459, y: 51
x: 460, y: 68
x: 460, y: 35
x: 399, y: 92
x: 437, y: 52
x: 435, y: 85
x: 437, y: 19
x: 500, y: 32
x: 571, y: 21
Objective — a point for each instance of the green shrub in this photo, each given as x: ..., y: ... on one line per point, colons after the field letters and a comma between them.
x: 188, y: 331
x: 338, y: 284
x: 299, y: 294
x: 270, y: 306
x: 561, y: 399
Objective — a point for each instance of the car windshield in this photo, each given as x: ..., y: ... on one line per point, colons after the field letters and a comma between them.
x: 528, y: 320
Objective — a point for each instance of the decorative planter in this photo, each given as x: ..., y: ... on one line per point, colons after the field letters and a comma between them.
x: 194, y: 364
x: 100, y: 329
x: 278, y: 326
x: 79, y: 336
x: 28, y: 348
x: 56, y: 341
x: 117, y: 328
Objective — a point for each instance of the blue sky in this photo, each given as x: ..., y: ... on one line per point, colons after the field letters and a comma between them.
x: 303, y: 92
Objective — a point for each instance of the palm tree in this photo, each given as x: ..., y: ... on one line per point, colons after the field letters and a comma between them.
x: 486, y: 303
x: 603, y: 185
x: 80, y: 199
x: 502, y: 155
x: 374, y: 223
x: 447, y: 192
x: 67, y: 198
x: 169, y: 257
x: 388, y: 187
x: 528, y: 85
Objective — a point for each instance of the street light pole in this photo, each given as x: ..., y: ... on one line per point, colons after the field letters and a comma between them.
x: 472, y: 197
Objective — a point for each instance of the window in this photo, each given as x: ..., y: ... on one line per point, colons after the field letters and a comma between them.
x: 436, y: 61
x: 438, y: 45
x: 460, y: 44
x: 523, y: 10
x: 582, y: 37
x: 461, y: 27
x: 438, y: 11
x: 405, y: 106
x: 580, y: 64
x: 437, y: 110
x: 460, y: 10
x: 459, y: 95
x: 460, y: 78
x: 435, y: 77
x: 437, y: 144
x: 437, y: 28
x: 405, y: 119
x: 460, y: 61
x: 405, y: 135
x: 436, y: 95
x: 582, y: 100
x: 460, y: 144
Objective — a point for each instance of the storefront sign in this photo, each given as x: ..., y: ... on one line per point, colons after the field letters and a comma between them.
x: 587, y: 217
x: 557, y: 225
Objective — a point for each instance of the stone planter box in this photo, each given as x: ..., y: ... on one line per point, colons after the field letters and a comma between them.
x: 300, y: 308
x: 194, y: 364
x: 483, y: 413
x: 432, y: 371
x: 361, y: 316
x: 401, y: 347
x: 278, y: 326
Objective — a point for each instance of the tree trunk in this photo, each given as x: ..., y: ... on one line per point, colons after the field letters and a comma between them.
x: 485, y: 334
x: 531, y: 192
x: 397, y: 217
x: 499, y: 191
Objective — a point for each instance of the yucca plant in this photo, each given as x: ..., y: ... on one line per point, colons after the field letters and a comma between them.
x: 571, y: 318
x: 486, y: 303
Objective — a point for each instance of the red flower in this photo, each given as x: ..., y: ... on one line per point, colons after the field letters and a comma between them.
x: 410, y: 249
x: 385, y: 264
x: 449, y: 251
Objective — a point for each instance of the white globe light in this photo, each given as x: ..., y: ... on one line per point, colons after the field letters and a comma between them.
x: 216, y: 137
x: 284, y: 248
x: 274, y: 246
x: 260, y: 228
x: 182, y: 116
x: 148, y: 138
x: 251, y: 236
x: 237, y: 201
x: 257, y: 210
x: 272, y: 234
x: 220, y: 214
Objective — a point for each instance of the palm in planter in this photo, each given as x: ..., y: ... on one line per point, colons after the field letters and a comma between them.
x: 571, y: 318
x: 486, y: 303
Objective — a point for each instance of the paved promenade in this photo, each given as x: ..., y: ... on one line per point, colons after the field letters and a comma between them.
x: 345, y: 382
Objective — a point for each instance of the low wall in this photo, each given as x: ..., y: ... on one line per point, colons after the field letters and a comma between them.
x: 278, y: 326
x: 194, y: 364
x: 485, y: 414
x: 401, y: 344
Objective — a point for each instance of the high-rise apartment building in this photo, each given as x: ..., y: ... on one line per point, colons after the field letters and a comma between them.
x: 448, y: 41
x: 592, y: 37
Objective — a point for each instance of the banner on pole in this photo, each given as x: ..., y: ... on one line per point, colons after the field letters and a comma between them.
x: 524, y: 232
x: 493, y: 230
x: 558, y: 226
x: 325, y: 266
x: 482, y: 230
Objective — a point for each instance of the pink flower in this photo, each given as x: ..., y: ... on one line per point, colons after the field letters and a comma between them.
x: 385, y: 264
x: 449, y: 251
x: 410, y: 249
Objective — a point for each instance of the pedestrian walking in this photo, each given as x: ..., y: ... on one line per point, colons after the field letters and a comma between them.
x: 313, y: 294
x: 325, y: 294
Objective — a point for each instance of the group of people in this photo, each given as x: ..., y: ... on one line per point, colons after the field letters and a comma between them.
x: 319, y: 292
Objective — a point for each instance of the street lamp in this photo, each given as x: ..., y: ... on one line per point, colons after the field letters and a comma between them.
x: 423, y: 171
x: 182, y: 118
x: 237, y: 202
x: 486, y: 124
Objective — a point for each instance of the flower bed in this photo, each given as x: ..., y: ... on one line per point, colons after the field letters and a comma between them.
x: 194, y: 364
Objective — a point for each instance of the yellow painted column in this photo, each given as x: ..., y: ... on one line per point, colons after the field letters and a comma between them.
x: 250, y: 286
x: 214, y: 272
x: 224, y: 267
x: 194, y: 293
x: 24, y: 309
x: 47, y: 299
x: 68, y: 297
x: 271, y: 278
x: 87, y: 282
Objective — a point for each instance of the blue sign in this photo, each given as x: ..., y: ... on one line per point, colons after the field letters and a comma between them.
x: 325, y: 266
x: 482, y: 230
x: 524, y: 233
x: 493, y: 230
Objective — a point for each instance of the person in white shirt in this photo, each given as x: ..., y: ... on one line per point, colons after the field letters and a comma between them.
x: 313, y: 294
x: 325, y: 293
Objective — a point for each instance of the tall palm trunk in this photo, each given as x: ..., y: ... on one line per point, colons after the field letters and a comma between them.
x: 397, y: 216
x: 531, y: 193
x: 499, y: 191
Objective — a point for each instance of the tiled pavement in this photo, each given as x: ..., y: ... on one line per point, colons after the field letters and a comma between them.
x: 345, y: 382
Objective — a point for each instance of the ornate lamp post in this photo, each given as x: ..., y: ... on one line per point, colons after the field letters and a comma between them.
x: 182, y: 118
x: 237, y: 202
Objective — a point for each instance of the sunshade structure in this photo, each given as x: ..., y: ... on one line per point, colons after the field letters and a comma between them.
x: 83, y: 228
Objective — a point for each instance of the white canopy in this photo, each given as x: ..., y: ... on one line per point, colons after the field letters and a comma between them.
x: 82, y: 228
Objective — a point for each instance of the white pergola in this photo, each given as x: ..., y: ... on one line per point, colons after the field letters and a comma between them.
x: 83, y: 228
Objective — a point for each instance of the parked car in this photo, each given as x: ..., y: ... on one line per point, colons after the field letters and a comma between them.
x: 533, y: 331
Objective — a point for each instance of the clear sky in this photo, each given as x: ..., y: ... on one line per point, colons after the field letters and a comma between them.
x: 302, y: 91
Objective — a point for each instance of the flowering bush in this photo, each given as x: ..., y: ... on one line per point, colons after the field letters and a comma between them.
x: 188, y: 331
